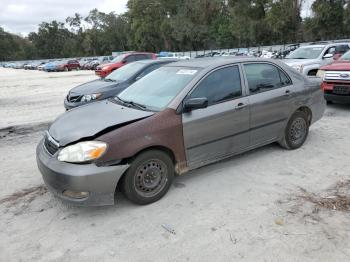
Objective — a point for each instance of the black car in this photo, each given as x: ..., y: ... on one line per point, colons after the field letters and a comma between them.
x: 113, y: 84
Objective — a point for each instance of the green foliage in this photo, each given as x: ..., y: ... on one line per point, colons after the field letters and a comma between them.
x: 156, y: 25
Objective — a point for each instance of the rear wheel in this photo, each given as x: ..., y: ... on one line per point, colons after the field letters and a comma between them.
x: 296, y: 131
x: 149, y: 177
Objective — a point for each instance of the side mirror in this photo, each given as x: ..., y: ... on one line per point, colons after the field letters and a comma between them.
x: 123, y: 61
x: 195, y: 103
x: 327, y: 56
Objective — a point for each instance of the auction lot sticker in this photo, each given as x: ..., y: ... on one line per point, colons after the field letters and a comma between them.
x: 186, y: 72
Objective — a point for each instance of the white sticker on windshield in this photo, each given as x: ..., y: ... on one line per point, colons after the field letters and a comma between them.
x: 186, y: 72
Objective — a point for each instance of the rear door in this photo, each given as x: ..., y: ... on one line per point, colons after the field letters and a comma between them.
x: 270, y: 99
x: 221, y: 129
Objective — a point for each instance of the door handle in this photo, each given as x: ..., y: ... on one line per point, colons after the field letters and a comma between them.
x: 287, y: 93
x: 240, y: 106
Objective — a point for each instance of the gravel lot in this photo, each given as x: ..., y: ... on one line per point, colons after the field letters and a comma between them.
x: 266, y: 205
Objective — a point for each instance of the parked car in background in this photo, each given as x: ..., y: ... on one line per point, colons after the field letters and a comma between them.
x: 121, y: 60
x: 336, y: 79
x: 171, y: 55
x: 19, y: 65
x: 68, y: 65
x: 87, y: 65
x: 112, y: 84
x: 179, y: 117
x: 51, y: 66
x: 308, y: 59
x: 84, y: 61
x: 93, y: 64
x: 41, y: 67
x: 33, y: 65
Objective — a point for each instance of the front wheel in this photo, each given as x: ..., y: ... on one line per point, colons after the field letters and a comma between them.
x: 149, y: 177
x: 296, y: 131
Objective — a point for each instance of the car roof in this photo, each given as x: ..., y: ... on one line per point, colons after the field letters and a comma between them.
x: 156, y: 61
x: 216, y: 61
x: 306, y: 46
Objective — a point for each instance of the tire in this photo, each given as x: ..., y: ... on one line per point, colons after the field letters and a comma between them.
x: 148, y: 178
x: 296, y: 131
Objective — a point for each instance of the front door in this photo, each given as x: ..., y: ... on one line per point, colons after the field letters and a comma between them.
x: 221, y: 129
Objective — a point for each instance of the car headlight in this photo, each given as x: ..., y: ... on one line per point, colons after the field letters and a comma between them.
x: 299, y: 68
x: 88, y: 98
x: 82, y: 152
x: 320, y: 73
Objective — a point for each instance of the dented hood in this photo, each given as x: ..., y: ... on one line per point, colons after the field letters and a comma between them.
x: 91, y: 119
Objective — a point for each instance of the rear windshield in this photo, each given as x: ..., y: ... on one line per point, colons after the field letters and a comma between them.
x: 157, y: 89
x: 124, y: 73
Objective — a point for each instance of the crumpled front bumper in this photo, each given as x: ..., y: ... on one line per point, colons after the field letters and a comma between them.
x: 99, y: 182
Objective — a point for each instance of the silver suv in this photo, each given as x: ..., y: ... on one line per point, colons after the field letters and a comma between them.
x: 308, y: 59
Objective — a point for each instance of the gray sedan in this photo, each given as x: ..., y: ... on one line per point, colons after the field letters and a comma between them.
x: 177, y: 118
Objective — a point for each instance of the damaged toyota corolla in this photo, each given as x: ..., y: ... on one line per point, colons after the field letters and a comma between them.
x: 180, y: 117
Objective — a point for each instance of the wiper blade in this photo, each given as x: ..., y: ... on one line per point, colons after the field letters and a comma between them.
x: 108, y: 80
x: 140, y: 106
x: 132, y: 103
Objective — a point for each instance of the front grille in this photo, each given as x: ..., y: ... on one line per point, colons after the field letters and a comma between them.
x: 337, y: 75
x: 341, y: 90
x: 50, y: 146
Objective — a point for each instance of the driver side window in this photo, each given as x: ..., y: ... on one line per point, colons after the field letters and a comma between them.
x: 220, y: 86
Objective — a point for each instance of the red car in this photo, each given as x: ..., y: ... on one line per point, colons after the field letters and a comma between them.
x: 336, y: 79
x: 68, y: 65
x: 121, y: 60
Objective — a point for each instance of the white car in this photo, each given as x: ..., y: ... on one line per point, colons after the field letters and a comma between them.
x: 308, y: 59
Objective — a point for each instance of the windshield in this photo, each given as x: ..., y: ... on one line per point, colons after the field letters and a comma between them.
x: 117, y: 59
x: 310, y: 52
x: 346, y: 56
x: 157, y: 89
x: 125, y: 72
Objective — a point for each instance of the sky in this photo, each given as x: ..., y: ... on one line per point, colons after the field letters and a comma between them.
x: 24, y: 16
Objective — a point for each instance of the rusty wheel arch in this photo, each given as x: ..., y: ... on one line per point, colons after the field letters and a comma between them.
x: 307, y: 111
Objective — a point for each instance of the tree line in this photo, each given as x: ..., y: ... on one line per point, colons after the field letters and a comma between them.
x: 156, y: 25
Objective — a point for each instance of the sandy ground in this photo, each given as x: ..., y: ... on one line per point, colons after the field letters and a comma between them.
x: 264, y: 205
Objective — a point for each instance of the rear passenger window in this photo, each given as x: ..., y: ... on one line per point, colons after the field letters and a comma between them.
x: 130, y: 58
x: 264, y: 77
x: 221, y: 85
x: 141, y: 57
x: 341, y: 49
